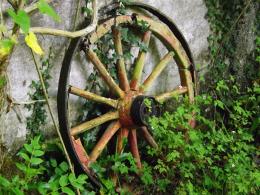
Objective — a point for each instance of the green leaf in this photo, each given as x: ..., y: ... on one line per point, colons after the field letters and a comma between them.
x: 24, y: 156
x: 21, y: 166
x: 45, y: 8
x: 63, y: 181
x: 67, y: 190
x: 53, y: 163
x: 28, y: 148
x: 82, y: 179
x: 38, y: 153
x: 72, y: 177
x: 36, y: 161
x: 4, y: 182
x: 21, y: 18
x: 64, y: 166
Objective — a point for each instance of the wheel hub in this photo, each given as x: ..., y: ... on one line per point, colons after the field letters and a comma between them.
x: 135, y: 109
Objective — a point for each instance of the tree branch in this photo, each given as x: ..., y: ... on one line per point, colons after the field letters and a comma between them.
x: 79, y: 33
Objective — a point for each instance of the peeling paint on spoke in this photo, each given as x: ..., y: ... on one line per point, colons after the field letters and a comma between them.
x: 91, y: 96
x: 92, y: 56
x: 148, y: 137
x: 134, y: 147
x: 94, y: 123
x: 139, y: 65
x: 124, y: 84
x: 156, y: 71
x: 108, y: 134
x: 168, y: 95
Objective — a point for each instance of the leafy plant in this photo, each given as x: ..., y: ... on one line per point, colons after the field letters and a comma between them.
x: 33, y: 178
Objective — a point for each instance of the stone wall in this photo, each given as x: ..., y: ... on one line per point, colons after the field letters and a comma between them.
x: 189, y: 15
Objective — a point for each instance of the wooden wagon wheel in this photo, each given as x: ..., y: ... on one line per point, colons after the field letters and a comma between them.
x: 128, y: 108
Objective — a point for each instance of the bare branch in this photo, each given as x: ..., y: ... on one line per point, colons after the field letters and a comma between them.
x: 83, y: 32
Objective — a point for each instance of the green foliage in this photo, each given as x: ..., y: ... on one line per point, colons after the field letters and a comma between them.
x: 22, y: 19
x: 45, y: 8
x: 120, y: 165
x: 215, y: 157
x: 38, y: 175
x: 31, y: 168
x: 39, y: 114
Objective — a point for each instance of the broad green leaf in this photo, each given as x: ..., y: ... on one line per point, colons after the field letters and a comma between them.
x: 24, y: 156
x: 82, y: 179
x: 21, y: 18
x: 64, y: 166
x: 53, y: 163
x: 45, y: 8
x: 38, y: 153
x: 28, y: 148
x: 63, y: 181
x: 32, y: 42
x: 67, y: 190
x: 72, y: 177
x: 36, y: 161
x: 21, y: 166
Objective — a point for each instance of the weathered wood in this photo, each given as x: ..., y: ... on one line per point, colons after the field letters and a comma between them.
x: 94, y: 123
x: 110, y: 131
x: 156, y: 71
x: 123, y: 81
x: 92, y: 56
x: 94, y: 97
x: 139, y: 65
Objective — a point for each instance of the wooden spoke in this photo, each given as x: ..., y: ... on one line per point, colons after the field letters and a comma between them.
x: 149, y: 137
x: 94, y: 123
x: 134, y: 147
x: 122, y: 135
x: 91, y: 96
x: 81, y: 152
x: 165, y: 96
x: 108, y: 134
x: 124, y: 84
x: 104, y: 73
x: 139, y: 65
x: 156, y: 72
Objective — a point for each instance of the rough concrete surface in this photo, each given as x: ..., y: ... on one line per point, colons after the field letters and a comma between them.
x: 187, y: 14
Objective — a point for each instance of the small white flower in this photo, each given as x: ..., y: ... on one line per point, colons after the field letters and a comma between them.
x: 233, y: 132
x: 233, y: 165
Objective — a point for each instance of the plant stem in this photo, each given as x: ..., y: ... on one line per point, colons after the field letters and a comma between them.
x: 64, y: 33
x: 50, y: 110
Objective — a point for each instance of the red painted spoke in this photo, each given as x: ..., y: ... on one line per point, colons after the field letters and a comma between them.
x: 94, y: 123
x: 81, y: 152
x: 122, y: 135
x: 91, y: 96
x: 148, y: 137
x: 139, y: 65
x: 156, y: 71
x: 134, y: 147
x: 108, y: 134
x: 168, y: 95
x: 124, y: 84
x: 104, y: 73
